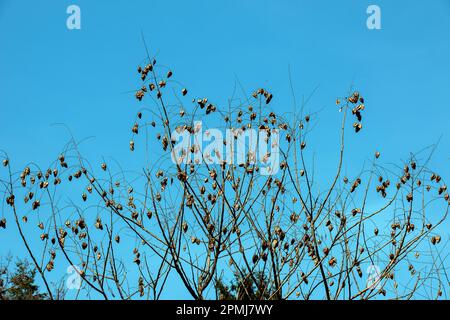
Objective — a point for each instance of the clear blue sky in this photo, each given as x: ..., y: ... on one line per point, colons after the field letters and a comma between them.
x: 49, y: 74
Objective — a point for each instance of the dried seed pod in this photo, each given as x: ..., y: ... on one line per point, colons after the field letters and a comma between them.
x: 139, y: 95
x: 184, y: 91
x: 98, y: 224
x: 332, y: 262
x: 409, y: 197
x: 435, y: 240
x: 274, y: 243
x: 357, y: 126
x: 185, y: 227
x: 36, y: 204
x: 354, y: 97
x: 50, y: 266
x: 211, y: 108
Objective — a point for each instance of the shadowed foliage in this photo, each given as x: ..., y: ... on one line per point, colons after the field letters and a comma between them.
x: 20, y: 283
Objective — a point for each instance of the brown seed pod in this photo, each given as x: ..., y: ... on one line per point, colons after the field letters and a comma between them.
x: 332, y: 262
x: 303, y: 145
x: 409, y: 197
x: 354, y: 98
x: 435, y: 240
x: 139, y: 95
x: 184, y: 91
x: 98, y: 224
x: 211, y: 108
x: 274, y: 243
x: 50, y: 266
x: 36, y: 204
x: 357, y: 126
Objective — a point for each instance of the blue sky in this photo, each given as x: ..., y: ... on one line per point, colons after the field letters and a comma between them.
x: 82, y: 78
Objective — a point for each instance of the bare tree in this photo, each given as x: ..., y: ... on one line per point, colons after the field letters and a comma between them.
x: 290, y: 234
